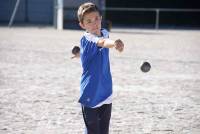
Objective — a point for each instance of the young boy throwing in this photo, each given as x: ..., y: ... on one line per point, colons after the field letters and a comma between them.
x: 96, y: 79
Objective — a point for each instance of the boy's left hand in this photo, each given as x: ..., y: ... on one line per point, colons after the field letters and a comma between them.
x: 119, y: 45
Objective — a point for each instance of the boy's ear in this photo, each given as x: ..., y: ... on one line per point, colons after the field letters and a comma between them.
x: 81, y: 25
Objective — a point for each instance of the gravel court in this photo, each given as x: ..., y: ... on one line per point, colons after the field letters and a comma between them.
x: 39, y: 82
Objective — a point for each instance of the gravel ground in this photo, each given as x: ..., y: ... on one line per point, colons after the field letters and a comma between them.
x: 39, y: 83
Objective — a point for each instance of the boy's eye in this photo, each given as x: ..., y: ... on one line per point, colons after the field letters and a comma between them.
x: 89, y: 21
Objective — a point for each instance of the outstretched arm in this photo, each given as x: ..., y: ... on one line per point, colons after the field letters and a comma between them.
x: 108, y: 43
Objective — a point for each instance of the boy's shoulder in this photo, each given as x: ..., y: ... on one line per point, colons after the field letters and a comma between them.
x: 88, y: 35
x: 94, y: 38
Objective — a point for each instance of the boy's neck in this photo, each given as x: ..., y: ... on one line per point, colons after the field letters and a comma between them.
x: 96, y: 34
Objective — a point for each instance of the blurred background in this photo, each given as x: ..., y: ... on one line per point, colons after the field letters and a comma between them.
x: 126, y: 13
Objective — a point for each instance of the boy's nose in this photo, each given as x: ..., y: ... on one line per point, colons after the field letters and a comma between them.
x: 94, y: 22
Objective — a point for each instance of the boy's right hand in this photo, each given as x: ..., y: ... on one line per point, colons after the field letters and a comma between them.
x: 119, y: 45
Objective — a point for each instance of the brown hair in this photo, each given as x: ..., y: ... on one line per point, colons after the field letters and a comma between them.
x: 85, y: 8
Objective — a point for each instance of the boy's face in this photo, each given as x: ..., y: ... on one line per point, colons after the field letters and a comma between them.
x: 92, y: 23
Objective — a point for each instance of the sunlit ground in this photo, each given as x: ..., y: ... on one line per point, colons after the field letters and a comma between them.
x: 39, y: 83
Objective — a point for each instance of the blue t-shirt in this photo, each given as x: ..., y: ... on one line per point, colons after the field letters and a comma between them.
x: 96, y: 80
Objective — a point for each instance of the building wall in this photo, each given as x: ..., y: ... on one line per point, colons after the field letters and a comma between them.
x: 29, y: 11
x: 40, y: 11
x: 6, y: 9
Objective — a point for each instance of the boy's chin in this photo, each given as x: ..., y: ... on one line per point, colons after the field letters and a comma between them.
x: 97, y: 32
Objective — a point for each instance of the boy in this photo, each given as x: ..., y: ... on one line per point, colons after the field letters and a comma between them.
x: 96, y: 80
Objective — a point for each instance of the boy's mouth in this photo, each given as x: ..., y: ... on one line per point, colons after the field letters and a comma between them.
x: 95, y: 29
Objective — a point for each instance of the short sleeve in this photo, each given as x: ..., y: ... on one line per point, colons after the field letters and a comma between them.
x: 89, y: 49
x: 105, y: 33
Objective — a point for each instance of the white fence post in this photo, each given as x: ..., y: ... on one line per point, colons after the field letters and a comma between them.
x: 60, y: 17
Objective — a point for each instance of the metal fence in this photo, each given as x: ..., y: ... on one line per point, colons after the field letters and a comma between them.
x: 156, y: 10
